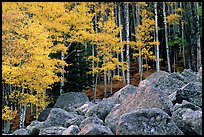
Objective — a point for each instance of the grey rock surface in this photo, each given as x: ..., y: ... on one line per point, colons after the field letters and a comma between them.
x: 151, y: 121
x: 150, y: 98
x: 95, y: 129
x: 44, y: 114
x: 71, y: 130
x: 52, y: 131
x: 34, y: 127
x: 71, y: 100
x: 88, y: 120
x: 21, y: 131
x: 191, y: 92
x: 58, y: 117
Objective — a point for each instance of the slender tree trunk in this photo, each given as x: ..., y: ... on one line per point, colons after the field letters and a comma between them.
x: 128, y: 45
x: 105, y: 84
x: 166, y: 38
x: 62, y: 67
x: 139, y: 47
x: 182, y: 36
x: 93, y: 81
x: 121, y: 39
x: 7, y: 125
x: 157, y: 46
x: 198, y: 40
x: 117, y: 54
x: 23, y: 109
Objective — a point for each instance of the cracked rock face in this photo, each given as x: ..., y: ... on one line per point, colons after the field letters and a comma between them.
x: 150, y: 98
x: 52, y: 131
x: 95, y: 129
x: 151, y: 121
x: 188, y: 117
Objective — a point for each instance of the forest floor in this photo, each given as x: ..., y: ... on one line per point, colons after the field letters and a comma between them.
x: 116, y: 85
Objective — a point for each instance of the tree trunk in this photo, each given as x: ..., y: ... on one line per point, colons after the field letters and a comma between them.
x: 182, y: 36
x: 7, y: 125
x: 157, y: 46
x: 121, y: 39
x: 198, y: 40
x: 139, y: 48
x: 166, y: 38
x: 117, y: 54
x: 23, y: 109
x: 105, y: 84
x: 62, y: 66
x: 128, y: 45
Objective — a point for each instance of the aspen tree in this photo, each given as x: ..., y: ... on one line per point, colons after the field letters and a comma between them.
x: 121, y: 39
x: 166, y: 38
x: 157, y: 46
x: 127, y: 39
x: 198, y: 39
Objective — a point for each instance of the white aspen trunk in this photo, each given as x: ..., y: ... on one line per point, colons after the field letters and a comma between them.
x: 182, y: 36
x: 93, y: 54
x: 146, y: 63
x: 62, y: 75
x: 166, y: 38
x: 157, y: 46
x: 7, y: 125
x: 117, y: 54
x: 198, y: 40
x: 105, y: 84
x: 96, y: 82
x: 93, y: 81
x: 128, y: 45
x: 139, y: 47
x: 121, y: 39
x: 31, y: 108
x: 23, y: 109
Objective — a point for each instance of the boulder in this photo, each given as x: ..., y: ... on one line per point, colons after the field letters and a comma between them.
x: 102, y: 109
x: 194, y: 121
x: 152, y: 79
x: 112, y: 118
x: 189, y: 76
x: 172, y: 97
x: 21, y: 131
x: 58, y: 117
x: 88, y: 120
x: 34, y: 127
x: 176, y: 75
x: 180, y: 115
x: 191, y: 92
x: 120, y: 95
x: 52, y: 131
x: 150, y: 98
x: 185, y: 104
x: 95, y: 129
x: 168, y: 85
x: 151, y: 121
x: 68, y: 101
x: 44, y: 114
x: 83, y: 109
x: 74, y: 121
x: 71, y: 130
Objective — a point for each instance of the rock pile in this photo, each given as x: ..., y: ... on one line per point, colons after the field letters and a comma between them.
x: 162, y: 104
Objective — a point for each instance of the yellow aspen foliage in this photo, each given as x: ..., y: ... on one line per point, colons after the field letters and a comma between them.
x: 173, y: 19
x: 144, y: 38
x: 106, y: 40
x: 8, y: 114
x: 26, y: 47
